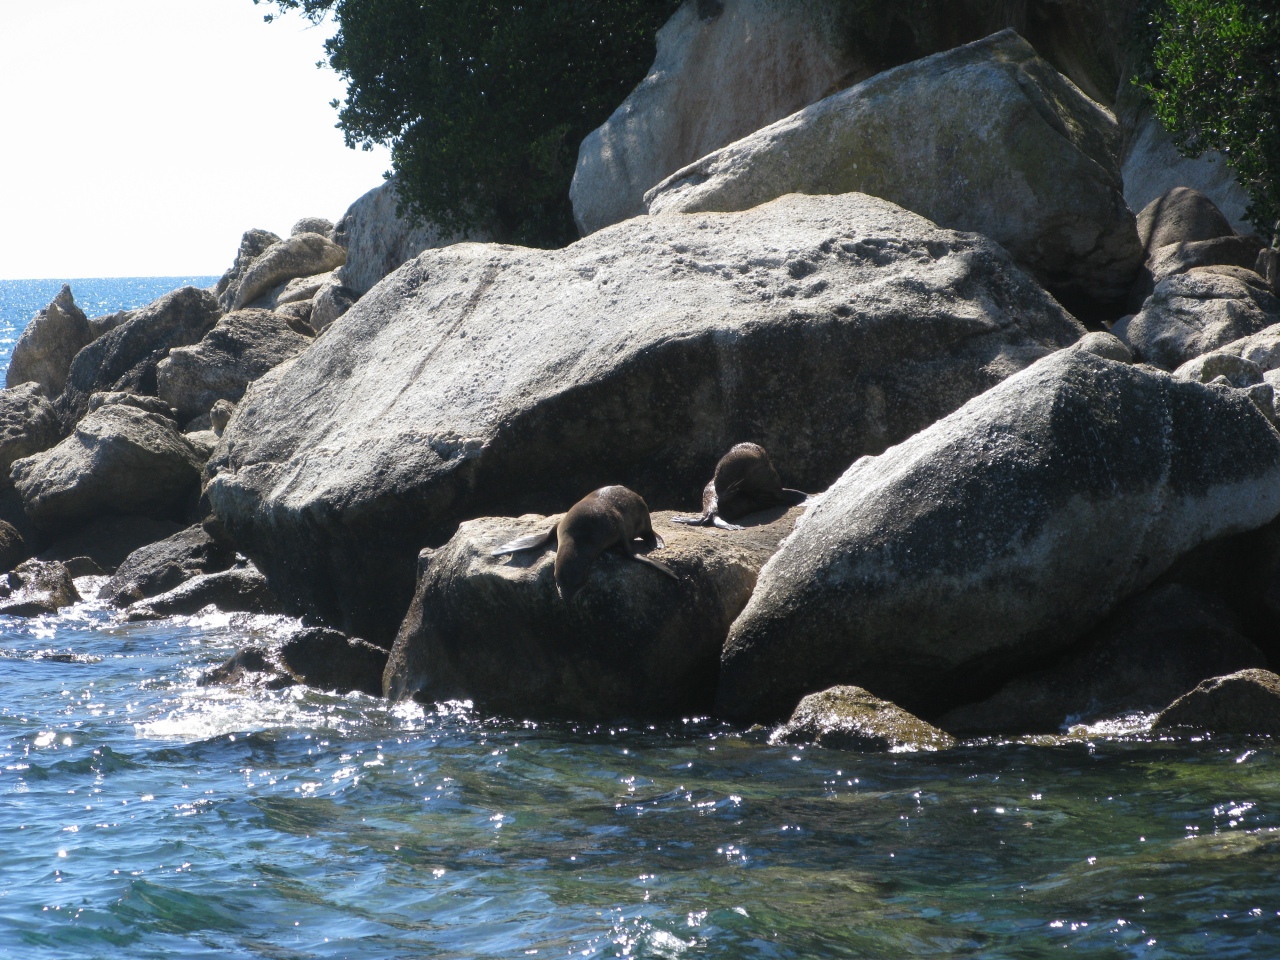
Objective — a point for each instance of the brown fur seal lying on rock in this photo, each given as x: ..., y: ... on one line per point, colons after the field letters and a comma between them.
x: 744, y: 482
x: 608, y: 518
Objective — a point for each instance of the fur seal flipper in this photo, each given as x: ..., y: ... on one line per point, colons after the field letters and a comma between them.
x: 744, y: 482
x: 611, y: 518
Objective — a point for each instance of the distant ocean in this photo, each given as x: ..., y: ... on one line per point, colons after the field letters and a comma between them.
x: 20, y: 300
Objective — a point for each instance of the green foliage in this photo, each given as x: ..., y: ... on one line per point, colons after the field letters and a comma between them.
x: 484, y: 103
x: 1213, y: 75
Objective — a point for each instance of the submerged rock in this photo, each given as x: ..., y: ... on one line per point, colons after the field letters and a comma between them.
x: 849, y: 718
x: 48, y: 344
x: 1245, y: 703
x: 117, y: 460
x: 986, y: 137
x: 494, y: 380
x: 999, y: 536
x: 633, y: 642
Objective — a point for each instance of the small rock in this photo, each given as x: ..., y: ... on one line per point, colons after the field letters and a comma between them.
x: 1105, y: 345
x: 849, y: 718
x: 161, y: 566
x: 38, y: 588
x: 1206, y: 368
x: 313, y: 225
x: 1245, y: 703
x: 1182, y: 215
x: 252, y: 666
x: 149, y: 404
x: 328, y: 660
x: 241, y: 589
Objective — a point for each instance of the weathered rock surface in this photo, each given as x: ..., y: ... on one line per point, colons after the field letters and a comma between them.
x: 849, y: 718
x: 108, y: 541
x: 140, y: 401
x: 1105, y: 345
x: 491, y: 380
x: 125, y: 359
x: 1247, y: 702
x: 313, y: 225
x: 48, y: 344
x: 1207, y: 367
x: 35, y: 588
x: 13, y: 547
x: 1190, y: 314
x: 1182, y: 215
x: 302, y: 288
x: 220, y: 415
x: 331, y: 301
x: 240, y: 348
x: 253, y: 245
x: 999, y: 536
x: 716, y: 78
x: 100, y: 325
x: 117, y: 460
x: 1155, y: 647
x: 250, y: 666
x: 242, y: 589
x: 633, y: 642
x: 302, y: 255
x: 161, y: 566
x: 329, y: 660
x: 987, y: 137
x: 28, y: 425
x: 1262, y: 348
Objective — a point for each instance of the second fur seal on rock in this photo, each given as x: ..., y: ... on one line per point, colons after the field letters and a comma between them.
x: 744, y: 482
x: 609, y: 518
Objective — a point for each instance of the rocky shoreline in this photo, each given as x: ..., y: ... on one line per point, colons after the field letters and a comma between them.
x: 1039, y: 428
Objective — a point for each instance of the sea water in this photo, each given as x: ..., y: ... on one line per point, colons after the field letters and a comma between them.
x: 143, y: 815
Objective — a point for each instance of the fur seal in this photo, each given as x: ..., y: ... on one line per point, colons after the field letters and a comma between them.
x: 744, y: 482
x: 609, y: 518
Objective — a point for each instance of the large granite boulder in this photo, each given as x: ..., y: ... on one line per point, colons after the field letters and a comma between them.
x: 987, y: 137
x: 632, y: 643
x: 999, y: 536
x: 1193, y: 313
x: 125, y: 359
x: 722, y: 71
x: 491, y: 380
x: 48, y: 344
x: 302, y: 255
x: 849, y: 718
x: 117, y: 460
x: 1247, y: 702
x: 1181, y: 215
x: 1155, y: 647
x: 28, y: 425
x: 253, y: 244
x: 240, y: 348
x: 377, y: 239
x: 163, y: 565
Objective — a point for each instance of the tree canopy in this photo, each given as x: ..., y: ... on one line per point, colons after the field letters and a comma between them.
x: 484, y: 103
x: 1213, y: 75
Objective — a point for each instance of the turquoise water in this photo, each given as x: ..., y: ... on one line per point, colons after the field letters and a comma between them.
x: 144, y: 816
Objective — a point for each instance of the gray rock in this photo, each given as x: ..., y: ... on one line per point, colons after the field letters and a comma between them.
x: 48, y: 343
x: 161, y: 566
x: 1262, y: 348
x: 240, y: 348
x: 632, y: 643
x: 329, y: 660
x: 204, y: 440
x: 37, y: 588
x: 494, y: 380
x: 1105, y: 345
x: 1175, y: 258
x: 117, y: 460
x: 1238, y: 371
x: 302, y: 255
x: 715, y: 79
x: 253, y: 245
x: 849, y: 718
x: 125, y: 358
x: 1268, y: 267
x: 220, y: 415
x: 331, y: 302
x: 1156, y: 646
x: 297, y: 316
x: 109, y: 540
x: 1193, y: 313
x: 987, y: 137
x: 1247, y: 702
x: 28, y: 425
x: 302, y: 288
x: 1181, y: 215
x: 13, y: 547
x: 241, y: 589
x: 313, y: 225
x: 378, y: 240
x: 999, y: 536
x: 148, y: 404
x: 100, y: 325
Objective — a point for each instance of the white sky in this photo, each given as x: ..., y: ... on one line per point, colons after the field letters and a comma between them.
x: 143, y: 137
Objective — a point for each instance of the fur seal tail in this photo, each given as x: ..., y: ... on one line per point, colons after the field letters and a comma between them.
x: 530, y: 542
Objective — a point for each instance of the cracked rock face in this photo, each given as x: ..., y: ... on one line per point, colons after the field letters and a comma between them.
x: 986, y: 137
x: 999, y: 536
x: 48, y: 344
x: 483, y: 379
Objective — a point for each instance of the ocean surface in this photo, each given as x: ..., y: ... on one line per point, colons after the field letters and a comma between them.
x: 142, y: 815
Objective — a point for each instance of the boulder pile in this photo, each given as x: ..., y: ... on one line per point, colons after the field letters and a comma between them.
x: 1038, y: 428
